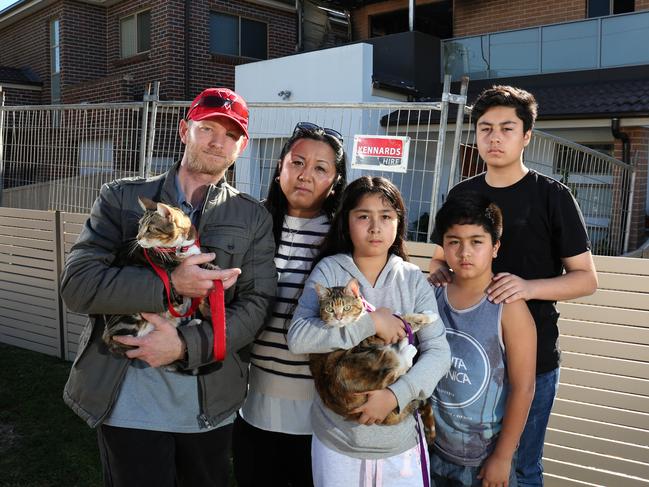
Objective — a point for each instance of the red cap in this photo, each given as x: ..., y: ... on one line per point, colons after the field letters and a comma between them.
x: 220, y: 102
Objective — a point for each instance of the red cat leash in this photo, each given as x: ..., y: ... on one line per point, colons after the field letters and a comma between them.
x: 217, y: 308
x: 162, y: 274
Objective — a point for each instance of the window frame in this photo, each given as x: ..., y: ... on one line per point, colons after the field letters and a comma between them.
x: 135, y: 16
x: 55, y: 53
x: 239, y: 23
x: 611, y: 10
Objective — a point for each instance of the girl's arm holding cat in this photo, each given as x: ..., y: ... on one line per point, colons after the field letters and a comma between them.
x: 308, y: 334
x: 420, y: 381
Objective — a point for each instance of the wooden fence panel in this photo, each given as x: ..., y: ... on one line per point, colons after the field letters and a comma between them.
x: 599, y: 428
x: 73, y: 323
x: 29, y: 297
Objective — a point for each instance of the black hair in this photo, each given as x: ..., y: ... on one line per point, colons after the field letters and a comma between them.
x: 276, y: 202
x: 470, y: 208
x: 338, y: 239
x: 507, y: 96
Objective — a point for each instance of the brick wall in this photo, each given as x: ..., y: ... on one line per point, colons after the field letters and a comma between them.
x: 18, y: 96
x: 361, y: 16
x: 477, y: 17
x: 639, y: 138
x: 118, y: 87
x: 83, y: 43
x: 26, y: 44
x: 472, y: 17
x: 211, y: 70
x: 90, y: 48
x: 165, y: 61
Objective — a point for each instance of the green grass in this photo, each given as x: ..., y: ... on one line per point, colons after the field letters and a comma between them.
x: 42, y: 442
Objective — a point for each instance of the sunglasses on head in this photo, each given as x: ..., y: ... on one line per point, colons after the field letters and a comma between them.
x: 214, y: 101
x: 311, y: 127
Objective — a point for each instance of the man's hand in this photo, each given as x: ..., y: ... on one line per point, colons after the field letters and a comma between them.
x: 439, y: 273
x: 192, y: 281
x: 387, y: 327
x: 378, y: 405
x: 160, y: 347
x: 506, y: 287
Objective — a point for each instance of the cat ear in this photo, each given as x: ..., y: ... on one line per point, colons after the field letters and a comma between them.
x: 322, y: 291
x: 353, y: 288
x: 146, y: 203
x: 163, y: 210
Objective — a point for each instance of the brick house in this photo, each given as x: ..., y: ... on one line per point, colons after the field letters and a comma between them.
x: 587, y: 62
x: 73, y: 51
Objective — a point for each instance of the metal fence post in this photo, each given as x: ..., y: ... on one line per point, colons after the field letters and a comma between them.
x: 627, y: 230
x: 151, y: 131
x: 59, y: 257
x: 459, y: 121
x: 439, y: 154
x: 2, y: 143
x: 143, y: 131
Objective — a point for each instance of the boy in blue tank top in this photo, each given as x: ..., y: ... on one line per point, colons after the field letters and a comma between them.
x: 482, y: 403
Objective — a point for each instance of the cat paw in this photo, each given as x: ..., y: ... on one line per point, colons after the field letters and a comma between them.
x: 409, y: 354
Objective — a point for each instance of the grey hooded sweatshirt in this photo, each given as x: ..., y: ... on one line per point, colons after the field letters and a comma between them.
x: 402, y: 287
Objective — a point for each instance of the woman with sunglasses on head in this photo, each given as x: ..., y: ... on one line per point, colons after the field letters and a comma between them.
x: 272, y: 435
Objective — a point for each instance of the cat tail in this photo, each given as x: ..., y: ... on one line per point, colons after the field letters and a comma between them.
x: 427, y: 418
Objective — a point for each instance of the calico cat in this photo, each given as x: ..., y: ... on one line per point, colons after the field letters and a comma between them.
x: 370, y: 365
x: 161, y: 229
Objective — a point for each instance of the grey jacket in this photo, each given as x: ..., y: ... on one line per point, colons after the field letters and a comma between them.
x: 232, y: 225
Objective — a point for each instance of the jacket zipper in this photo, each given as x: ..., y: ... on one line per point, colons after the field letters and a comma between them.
x: 204, y: 421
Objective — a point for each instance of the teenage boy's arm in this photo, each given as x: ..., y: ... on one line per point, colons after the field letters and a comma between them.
x: 519, y: 336
x: 580, y: 279
x: 438, y: 272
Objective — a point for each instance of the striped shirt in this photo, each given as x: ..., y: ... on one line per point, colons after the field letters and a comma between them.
x: 281, y: 389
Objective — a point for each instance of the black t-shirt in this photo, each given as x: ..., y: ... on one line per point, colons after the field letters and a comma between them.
x: 542, y: 224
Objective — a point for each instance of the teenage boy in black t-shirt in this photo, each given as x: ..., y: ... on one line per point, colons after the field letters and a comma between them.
x: 543, y: 235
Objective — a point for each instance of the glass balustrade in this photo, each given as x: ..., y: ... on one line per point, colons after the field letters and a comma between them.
x: 616, y: 40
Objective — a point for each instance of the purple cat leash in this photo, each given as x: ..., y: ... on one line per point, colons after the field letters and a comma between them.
x: 418, y: 426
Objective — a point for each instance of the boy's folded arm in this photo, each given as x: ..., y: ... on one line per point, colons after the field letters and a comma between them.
x: 433, y: 362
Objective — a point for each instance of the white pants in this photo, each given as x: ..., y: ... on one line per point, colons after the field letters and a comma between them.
x: 333, y: 469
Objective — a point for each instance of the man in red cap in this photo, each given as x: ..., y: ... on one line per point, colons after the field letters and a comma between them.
x: 156, y: 427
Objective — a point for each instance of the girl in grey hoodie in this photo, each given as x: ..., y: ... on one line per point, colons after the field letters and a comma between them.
x: 366, y: 241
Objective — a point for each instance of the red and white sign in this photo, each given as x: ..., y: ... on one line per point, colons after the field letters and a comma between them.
x: 381, y: 153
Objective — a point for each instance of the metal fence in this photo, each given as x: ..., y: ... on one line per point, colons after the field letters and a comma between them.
x: 57, y: 157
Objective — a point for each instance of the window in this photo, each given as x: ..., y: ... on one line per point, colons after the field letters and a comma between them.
x: 95, y: 156
x: 599, y: 8
x: 238, y: 36
x: 55, y: 59
x: 135, y: 34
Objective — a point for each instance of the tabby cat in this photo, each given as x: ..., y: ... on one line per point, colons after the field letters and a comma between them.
x: 161, y: 229
x: 370, y: 365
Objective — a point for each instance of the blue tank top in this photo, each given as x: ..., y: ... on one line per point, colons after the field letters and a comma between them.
x: 469, y: 401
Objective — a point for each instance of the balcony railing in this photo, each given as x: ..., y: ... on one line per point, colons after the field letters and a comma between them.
x: 604, y: 42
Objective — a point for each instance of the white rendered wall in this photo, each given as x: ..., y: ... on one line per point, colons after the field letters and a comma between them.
x: 337, y: 75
